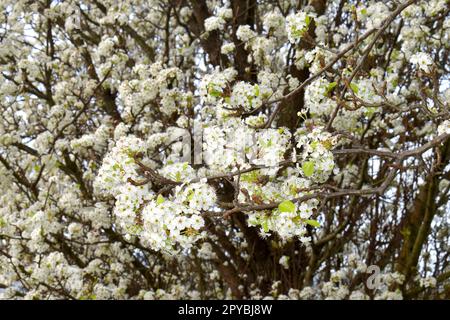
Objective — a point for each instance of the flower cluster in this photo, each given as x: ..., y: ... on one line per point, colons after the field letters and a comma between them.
x: 316, y: 97
x: 318, y: 160
x: 246, y: 96
x: 422, y: 60
x: 218, y: 21
x: 269, y: 148
x: 296, y: 25
x: 245, y: 33
x: 376, y: 14
x: 227, y: 48
x: 224, y: 147
x: 150, y: 82
x: 129, y: 204
x: 179, y: 172
x: 198, y: 196
x: 166, y: 223
x: 274, y: 23
x: 214, y: 85
x: 162, y: 224
x: 289, y: 219
x: 102, y: 106
x: 444, y: 127
x: 119, y: 166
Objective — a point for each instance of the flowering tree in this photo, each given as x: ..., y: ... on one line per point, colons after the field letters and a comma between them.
x: 224, y: 149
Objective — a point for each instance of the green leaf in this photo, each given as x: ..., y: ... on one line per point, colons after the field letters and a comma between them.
x: 354, y: 87
x: 330, y: 87
x: 307, y: 20
x: 256, y: 87
x: 160, y: 199
x: 370, y: 111
x: 265, y: 226
x: 286, y: 206
x: 308, y: 168
x: 213, y: 91
x: 251, y: 176
x: 394, y: 82
x: 313, y: 223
